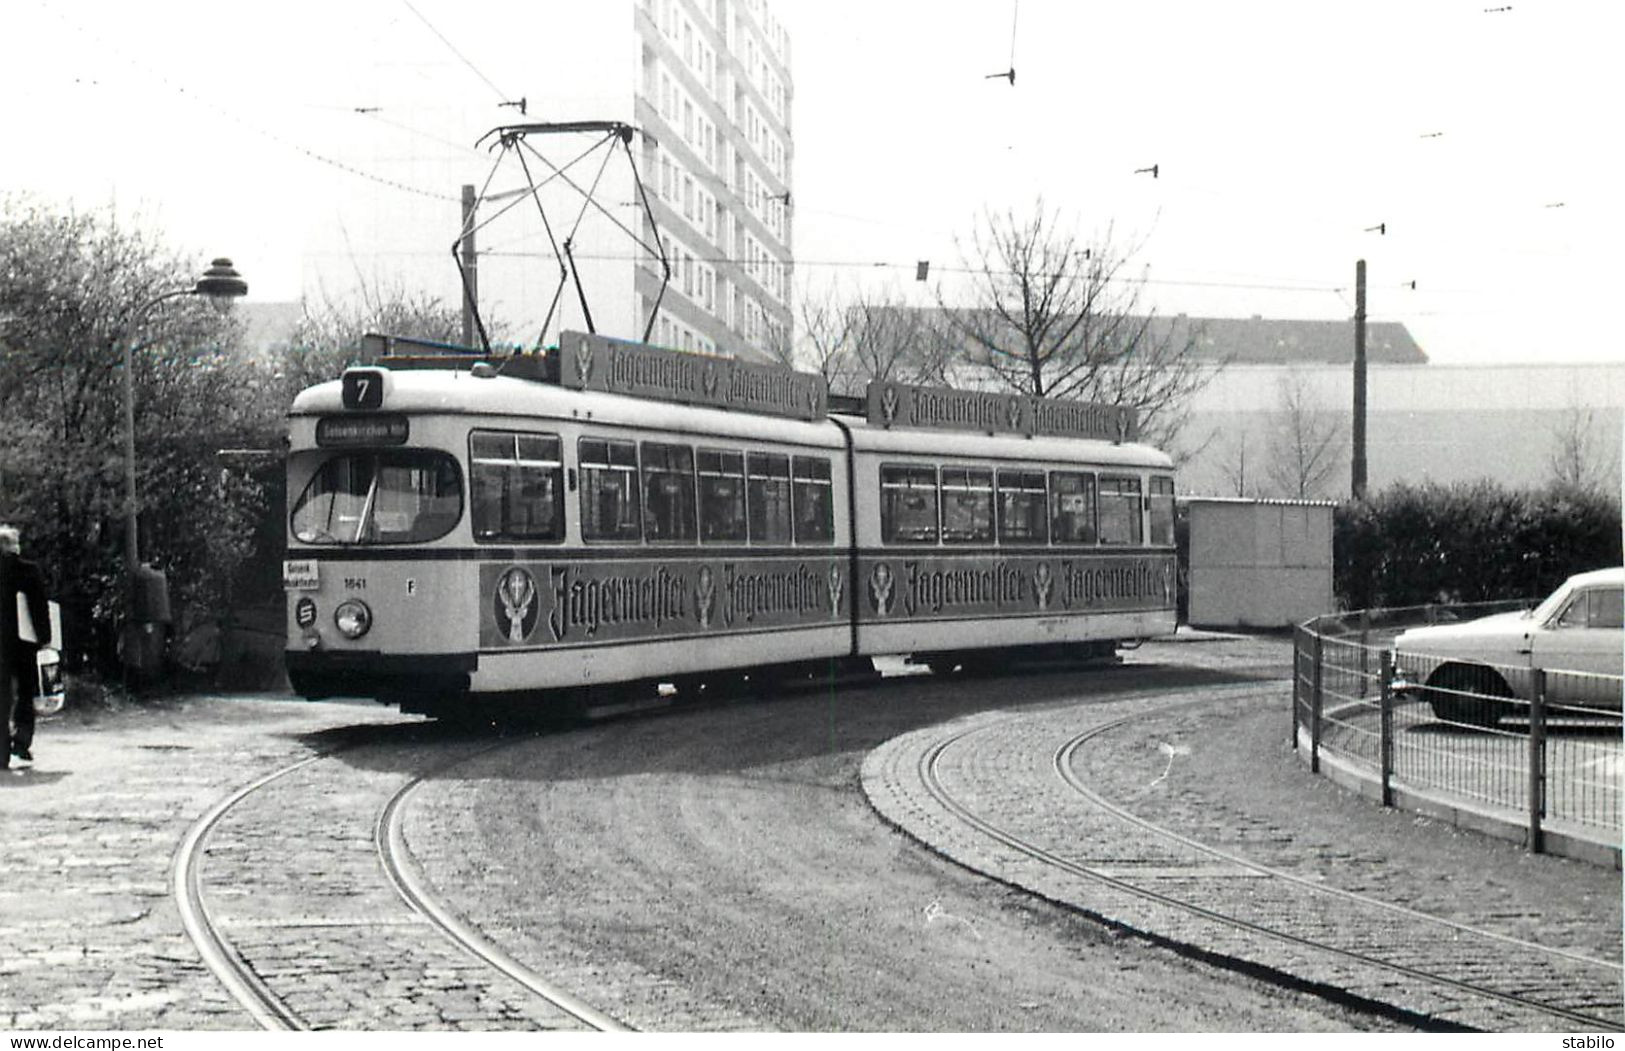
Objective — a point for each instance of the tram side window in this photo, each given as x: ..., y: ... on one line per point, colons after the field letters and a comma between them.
x: 609, y: 489
x: 1120, y: 510
x: 722, y: 495
x: 908, y: 505
x: 967, y: 505
x: 1021, y: 508
x: 668, y: 492
x: 1072, y: 507
x: 811, y: 497
x: 517, y: 482
x: 768, y: 497
x: 1162, y: 511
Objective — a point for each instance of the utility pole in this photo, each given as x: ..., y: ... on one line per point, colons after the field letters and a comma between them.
x: 471, y: 268
x: 1357, y: 487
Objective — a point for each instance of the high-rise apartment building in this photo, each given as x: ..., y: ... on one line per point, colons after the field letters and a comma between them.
x: 713, y: 98
x: 707, y: 83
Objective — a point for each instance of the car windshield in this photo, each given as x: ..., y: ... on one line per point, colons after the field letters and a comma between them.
x: 1551, y: 605
x: 394, y: 496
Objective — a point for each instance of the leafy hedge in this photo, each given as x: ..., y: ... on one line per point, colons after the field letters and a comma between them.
x: 1414, y: 544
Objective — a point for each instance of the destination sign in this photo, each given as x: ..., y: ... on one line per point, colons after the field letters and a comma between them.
x: 617, y: 366
x: 892, y: 404
x: 362, y: 430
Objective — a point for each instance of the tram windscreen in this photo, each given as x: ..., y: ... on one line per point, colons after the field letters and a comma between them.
x: 393, y: 496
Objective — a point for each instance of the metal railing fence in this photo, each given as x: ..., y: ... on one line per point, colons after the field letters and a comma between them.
x: 1540, y: 746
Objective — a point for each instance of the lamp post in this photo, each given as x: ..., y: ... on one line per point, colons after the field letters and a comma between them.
x: 221, y: 284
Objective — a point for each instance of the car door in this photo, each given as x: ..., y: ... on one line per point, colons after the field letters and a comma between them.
x: 1585, y: 635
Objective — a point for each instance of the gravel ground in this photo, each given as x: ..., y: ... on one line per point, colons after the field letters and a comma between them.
x: 726, y: 861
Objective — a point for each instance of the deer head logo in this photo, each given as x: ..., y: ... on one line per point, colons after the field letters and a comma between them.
x: 1043, y: 584
x: 515, y: 604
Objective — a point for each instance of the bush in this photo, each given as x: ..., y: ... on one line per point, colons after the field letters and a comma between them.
x: 1415, y: 544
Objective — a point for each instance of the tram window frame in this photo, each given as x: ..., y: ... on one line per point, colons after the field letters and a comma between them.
x: 768, y: 512
x: 1160, y: 511
x: 1062, y: 530
x: 668, y: 472
x: 1122, y: 496
x: 722, y: 514
x: 901, y: 482
x: 812, y: 500
x: 599, y: 460
x: 1028, y: 491
x: 515, y: 477
x: 961, y: 489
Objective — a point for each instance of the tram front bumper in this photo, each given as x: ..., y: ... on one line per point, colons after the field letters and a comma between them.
x: 315, y: 674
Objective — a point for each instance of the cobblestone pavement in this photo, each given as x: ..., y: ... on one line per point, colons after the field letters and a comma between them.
x: 1198, y: 772
x: 93, y: 938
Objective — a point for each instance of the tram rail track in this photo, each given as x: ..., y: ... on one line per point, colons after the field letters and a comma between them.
x: 1361, y: 949
x: 268, y: 992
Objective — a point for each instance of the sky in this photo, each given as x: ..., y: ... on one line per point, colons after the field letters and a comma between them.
x: 1460, y: 146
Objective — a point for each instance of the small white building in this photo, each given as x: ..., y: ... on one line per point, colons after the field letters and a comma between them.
x: 1259, y: 563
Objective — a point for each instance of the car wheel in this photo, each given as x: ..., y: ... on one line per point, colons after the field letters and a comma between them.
x: 1465, y: 694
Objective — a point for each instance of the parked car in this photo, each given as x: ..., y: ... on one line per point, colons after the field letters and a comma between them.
x: 1464, y: 670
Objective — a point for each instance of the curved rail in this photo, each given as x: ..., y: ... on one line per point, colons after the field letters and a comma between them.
x: 393, y: 853
x: 219, y: 955
x: 930, y: 759
x: 268, y: 1010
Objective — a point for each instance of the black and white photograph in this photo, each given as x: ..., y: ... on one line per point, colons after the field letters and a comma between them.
x: 809, y: 518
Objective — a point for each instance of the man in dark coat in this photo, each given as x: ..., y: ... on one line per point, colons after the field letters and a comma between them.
x: 22, y: 591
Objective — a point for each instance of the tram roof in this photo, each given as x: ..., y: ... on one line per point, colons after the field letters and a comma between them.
x: 452, y: 391
x: 974, y: 445
x: 460, y: 392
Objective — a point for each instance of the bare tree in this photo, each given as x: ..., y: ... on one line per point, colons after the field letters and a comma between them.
x: 1051, y: 315
x: 824, y: 348
x: 1234, y: 466
x: 890, y: 341
x: 1305, y: 444
x: 1582, y: 458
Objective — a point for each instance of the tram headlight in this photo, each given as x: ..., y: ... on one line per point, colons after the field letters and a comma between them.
x: 352, y: 618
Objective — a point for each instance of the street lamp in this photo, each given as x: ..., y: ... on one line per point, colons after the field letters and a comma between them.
x: 221, y: 284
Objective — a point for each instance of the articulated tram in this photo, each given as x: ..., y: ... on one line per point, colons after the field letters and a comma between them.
x: 611, y: 514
